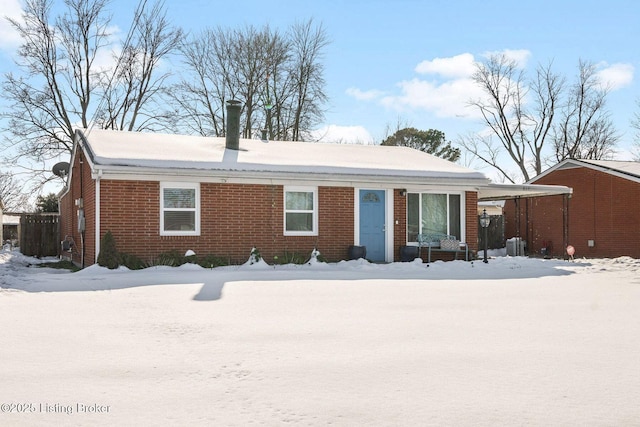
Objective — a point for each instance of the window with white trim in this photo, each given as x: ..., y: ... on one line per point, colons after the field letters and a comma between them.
x: 179, y: 209
x: 300, y: 211
x: 434, y: 213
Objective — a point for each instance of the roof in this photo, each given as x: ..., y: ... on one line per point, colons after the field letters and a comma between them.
x: 10, y: 219
x: 514, y: 191
x: 114, y: 153
x: 623, y: 169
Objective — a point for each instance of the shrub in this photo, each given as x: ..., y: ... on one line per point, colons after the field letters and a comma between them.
x: 211, y: 261
x: 132, y: 262
x: 171, y: 259
x: 289, y: 258
x: 108, y: 256
x: 63, y: 265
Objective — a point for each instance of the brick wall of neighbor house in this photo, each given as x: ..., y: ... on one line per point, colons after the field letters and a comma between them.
x: 80, y: 171
x: 603, y: 208
x: 234, y: 218
x: 544, y: 227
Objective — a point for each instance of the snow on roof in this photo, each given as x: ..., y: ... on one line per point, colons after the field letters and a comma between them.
x: 624, y: 169
x: 11, y: 219
x: 116, y: 149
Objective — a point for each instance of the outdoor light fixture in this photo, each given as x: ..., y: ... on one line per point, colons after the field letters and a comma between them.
x: 484, y: 223
x: 403, y: 192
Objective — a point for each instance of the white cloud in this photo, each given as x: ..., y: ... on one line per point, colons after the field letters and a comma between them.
x: 457, y: 66
x: 362, y: 95
x: 616, y: 76
x: 444, y: 88
x: 343, y: 134
x: 9, y: 38
x: 443, y: 99
x: 520, y: 56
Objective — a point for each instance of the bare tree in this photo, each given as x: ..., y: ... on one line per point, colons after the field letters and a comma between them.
x: 201, y: 97
x: 53, y: 93
x: 59, y: 85
x: 227, y: 64
x: 129, y: 98
x: 278, y: 79
x: 251, y: 64
x: 277, y: 98
x: 585, y: 130
x: 526, y: 116
x: 635, y: 123
x: 11, y: 194
x: 520, y: 132
x: 308, y: 44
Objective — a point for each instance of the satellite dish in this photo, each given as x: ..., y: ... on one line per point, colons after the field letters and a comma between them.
x: 60, y: 169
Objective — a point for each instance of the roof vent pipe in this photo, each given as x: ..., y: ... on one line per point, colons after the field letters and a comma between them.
x: 233, y: 125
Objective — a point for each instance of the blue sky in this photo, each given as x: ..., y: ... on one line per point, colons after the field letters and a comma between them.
x: 410, y: 60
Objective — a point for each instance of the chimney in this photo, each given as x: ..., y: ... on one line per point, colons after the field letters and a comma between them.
x: 233, y: 125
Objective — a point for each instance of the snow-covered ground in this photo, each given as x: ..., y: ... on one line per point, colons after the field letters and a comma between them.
x: 516, y: 341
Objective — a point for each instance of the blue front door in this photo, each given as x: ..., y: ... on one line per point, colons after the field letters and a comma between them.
x: 372, y: 223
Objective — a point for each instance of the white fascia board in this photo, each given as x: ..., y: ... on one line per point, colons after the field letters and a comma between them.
x: 283, y: 178
x: 511, y: 191
x: 576, y: 163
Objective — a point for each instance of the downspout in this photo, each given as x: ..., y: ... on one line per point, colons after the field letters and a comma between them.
x: 97, y: 216
x: 517, y: 216
x: 527, y: 221
x: 565, y: 221
x: 81, y: 223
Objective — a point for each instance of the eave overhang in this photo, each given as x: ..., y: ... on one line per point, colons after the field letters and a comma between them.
x: 515, y: 191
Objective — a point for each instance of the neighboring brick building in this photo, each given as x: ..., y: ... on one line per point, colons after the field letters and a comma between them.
x: 601, y: 219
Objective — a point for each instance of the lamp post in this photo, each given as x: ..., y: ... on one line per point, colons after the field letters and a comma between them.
x: 484, y: 223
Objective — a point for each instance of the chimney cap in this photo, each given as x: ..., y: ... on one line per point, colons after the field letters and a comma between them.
x: 233, y: 102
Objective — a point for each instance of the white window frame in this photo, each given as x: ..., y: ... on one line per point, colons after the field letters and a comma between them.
x: 180, y: 185
x: 314, y: 212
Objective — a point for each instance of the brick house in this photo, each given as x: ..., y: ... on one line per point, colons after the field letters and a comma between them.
x: 224, y: 196
x: 600, y: 219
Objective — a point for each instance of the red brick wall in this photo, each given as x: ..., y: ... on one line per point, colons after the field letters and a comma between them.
x: 603, y: 208
x: 539, y: 222
x: 400, y: 223
x: 81, y: 186
x: 471, y: 212
x: 234, y: 218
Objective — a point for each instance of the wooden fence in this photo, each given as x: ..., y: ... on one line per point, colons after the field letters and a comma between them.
x: 40, y: 234
x: 495, y: 233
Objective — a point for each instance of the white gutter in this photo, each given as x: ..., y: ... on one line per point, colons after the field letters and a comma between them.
x: 269, y: 177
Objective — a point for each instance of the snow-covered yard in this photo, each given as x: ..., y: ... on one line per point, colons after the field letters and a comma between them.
x: 516, y: 341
